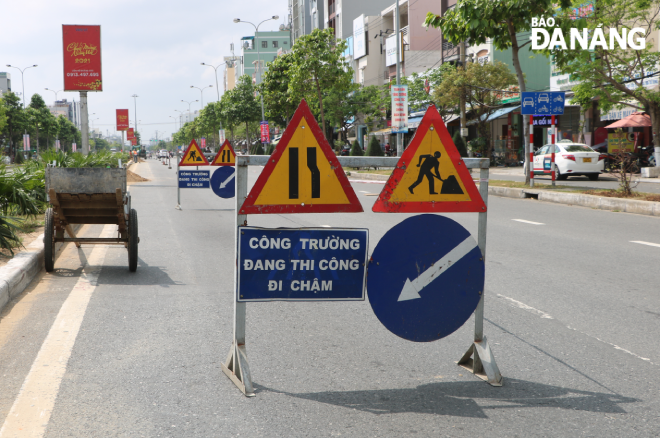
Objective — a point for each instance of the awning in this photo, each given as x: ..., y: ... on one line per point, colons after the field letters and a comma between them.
x: 635, y: 120
x: 413, y: 122
x: 497, y: 114
x: 385, y: 131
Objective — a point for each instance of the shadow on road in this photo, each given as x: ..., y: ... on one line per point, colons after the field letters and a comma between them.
x: 144, y: 276
x: 466, y: 399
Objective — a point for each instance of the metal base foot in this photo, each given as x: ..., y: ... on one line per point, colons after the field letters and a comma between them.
x: 178, y: 207
x: 479, y: 360
x: 237, y: 369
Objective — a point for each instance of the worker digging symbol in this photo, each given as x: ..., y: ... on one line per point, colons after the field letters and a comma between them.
x: 194, y: 157
x: 450, y: 185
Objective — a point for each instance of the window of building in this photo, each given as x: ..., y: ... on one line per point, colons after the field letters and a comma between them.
x: 286, y: 43
x: 275, y: 45
x: 264, y: 44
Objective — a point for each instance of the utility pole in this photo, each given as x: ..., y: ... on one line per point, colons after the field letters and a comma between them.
x: 461, y: 58
x: 397, y: 30
x: 84, y: 122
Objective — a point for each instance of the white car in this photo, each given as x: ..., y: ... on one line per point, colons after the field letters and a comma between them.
x: 570, y: 159
x: 163, y: 153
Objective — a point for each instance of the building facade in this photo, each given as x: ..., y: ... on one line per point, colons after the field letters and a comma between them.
x: 5, y: 82
x: 70, y: 110
x: 263, y: 47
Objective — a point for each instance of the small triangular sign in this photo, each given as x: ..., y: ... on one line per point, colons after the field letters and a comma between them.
x: 193, y: 156
x: 225, y: 156
x: 303, y: 174
x: 430, y: 176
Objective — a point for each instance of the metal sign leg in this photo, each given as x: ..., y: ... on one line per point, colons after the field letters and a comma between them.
x: 479, y: 359
x: 236, y: 366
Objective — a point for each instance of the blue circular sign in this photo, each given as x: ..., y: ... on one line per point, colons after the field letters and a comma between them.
x: 223, y: 182
x: 425, y: 278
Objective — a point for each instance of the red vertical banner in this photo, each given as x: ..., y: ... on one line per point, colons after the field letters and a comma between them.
x: 203, y: 142
x: 265, y: 132
x: 82, y: 57
x: 134, y: 141
x: 122, y: 120
x: 131, y: 134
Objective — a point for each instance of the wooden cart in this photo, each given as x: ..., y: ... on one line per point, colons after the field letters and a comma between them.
x: 89, y: 196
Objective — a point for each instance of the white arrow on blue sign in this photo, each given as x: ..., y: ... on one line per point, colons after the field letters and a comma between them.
x: 426, y: 277
x: 223, y: 182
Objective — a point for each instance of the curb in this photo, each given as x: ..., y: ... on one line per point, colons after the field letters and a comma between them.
x: 648, y: 208
x: 19, y: 272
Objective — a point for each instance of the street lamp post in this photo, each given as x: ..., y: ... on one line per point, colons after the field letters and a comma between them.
x: 174, y: 122
x: 48, y: 89
x: 185, y: 101
x: 93, y: 120
x: 201, y: 91
x: 217, y: 87
x: 22, y: 81
x: 135, y: 96
x: 180, y: 118
x: 256, y: 36
x: 23, y: 85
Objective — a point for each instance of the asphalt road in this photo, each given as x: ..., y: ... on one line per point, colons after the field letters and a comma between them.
x: 572, y: 313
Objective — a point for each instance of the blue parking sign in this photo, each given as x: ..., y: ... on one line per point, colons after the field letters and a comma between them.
x: 549, y: 103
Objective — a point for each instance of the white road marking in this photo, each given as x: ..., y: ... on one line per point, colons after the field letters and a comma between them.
x: 542, y: 314
x: 526, y: 307
x: 645, y: 243
x: 527, y: 222
x: 33, y: 406
x: 363, y: 181
x: 411, y: 289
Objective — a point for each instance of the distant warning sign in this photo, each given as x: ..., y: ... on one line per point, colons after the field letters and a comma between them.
x: 303, y: 174
x: 193, y: 156
x: 226, y: 156
x: 430, y: 175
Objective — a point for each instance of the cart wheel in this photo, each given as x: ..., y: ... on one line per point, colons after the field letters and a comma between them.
x: 49, y: 245
x: 133, y: 240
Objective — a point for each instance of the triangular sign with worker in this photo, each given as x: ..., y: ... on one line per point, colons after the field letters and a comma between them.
x: 430, y: 176
x: 225, y: 156
x: 303, y: 174
x: 193, y: 156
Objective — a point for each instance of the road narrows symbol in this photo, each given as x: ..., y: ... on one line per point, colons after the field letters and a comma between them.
x: 316, y: 174
x: 293, y: 173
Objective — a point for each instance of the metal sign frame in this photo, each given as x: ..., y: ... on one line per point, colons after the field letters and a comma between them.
x: 478, y: 359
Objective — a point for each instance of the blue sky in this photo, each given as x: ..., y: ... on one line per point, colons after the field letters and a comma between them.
x: 152, y: 48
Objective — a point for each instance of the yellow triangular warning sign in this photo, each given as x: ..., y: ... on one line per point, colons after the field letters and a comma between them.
x: 430, y: 176
x: 226, y: 156
x: 303, y: 175
x: 193, y: 156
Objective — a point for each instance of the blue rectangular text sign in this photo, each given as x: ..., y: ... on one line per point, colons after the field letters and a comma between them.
x: 194, y: 179
x: 302, y: 264
x: 547, y: 103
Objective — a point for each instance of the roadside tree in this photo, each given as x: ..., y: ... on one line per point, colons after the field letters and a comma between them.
x: 476, y: 83
x: 319, y: 70
x: 612, y: 75
x: 498, y: 21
